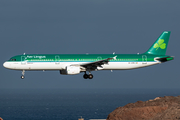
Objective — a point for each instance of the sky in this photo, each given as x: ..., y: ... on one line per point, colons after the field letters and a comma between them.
x: 89, y: 26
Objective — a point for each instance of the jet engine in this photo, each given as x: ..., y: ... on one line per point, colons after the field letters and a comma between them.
x: 70, y: 70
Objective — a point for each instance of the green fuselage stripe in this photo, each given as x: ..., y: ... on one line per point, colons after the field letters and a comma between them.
x: 84, y: 58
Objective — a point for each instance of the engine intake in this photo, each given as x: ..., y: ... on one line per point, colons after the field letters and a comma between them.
x: 70, y: 70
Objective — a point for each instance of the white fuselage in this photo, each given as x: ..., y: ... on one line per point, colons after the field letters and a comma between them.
x: 24, y: 65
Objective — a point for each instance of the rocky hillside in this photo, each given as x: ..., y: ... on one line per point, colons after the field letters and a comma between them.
x: 161, y: 108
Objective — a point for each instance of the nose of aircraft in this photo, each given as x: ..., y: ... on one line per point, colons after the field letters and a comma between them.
x: 5, y: 64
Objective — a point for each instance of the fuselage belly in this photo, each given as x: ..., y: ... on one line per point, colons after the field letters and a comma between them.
x: 59, y: 66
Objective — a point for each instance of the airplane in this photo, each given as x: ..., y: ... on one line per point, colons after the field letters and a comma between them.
x: 71, y: 64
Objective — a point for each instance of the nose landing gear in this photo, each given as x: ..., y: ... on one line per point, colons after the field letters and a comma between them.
x: 22, y: 77
x: 86, y: 76
x: 23, y: 73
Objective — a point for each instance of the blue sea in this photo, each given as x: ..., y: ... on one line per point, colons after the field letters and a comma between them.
x: 71, y: 104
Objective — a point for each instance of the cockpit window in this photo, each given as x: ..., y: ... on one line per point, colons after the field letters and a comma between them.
x: 12, y: 59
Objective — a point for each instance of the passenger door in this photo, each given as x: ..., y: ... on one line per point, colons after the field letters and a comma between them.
x: 23, y: 60
x: 144, y: 59
x: 57, y: 60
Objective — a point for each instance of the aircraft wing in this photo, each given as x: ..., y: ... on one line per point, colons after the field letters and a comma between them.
x: 94, y: 65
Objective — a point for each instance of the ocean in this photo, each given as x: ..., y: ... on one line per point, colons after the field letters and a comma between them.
x: 71, y: 104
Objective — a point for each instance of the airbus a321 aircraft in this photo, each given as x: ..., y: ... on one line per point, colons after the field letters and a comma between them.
x: 71, y: 64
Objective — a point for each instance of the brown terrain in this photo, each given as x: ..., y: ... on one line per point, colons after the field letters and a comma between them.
x: 161, y: 108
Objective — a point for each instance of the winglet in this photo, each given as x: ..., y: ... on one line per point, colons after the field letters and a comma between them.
x: 114, y: 57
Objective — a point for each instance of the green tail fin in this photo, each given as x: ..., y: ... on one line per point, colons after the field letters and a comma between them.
x: 159, y: 47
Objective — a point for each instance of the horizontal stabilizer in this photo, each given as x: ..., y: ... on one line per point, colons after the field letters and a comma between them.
x: 165, y: 59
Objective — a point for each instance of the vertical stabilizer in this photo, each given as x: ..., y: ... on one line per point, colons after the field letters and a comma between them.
x: 159, y: 47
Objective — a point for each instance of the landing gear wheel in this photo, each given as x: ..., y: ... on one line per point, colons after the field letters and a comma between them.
x: 23, y: 73
x: 90, y: 76
x: 85, y: 76
x: 22, y: 77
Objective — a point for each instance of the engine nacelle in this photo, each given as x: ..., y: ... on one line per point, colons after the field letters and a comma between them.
x: 70, y: 70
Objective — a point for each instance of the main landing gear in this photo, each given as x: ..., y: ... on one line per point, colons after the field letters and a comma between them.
x: 86, y: 76
x: 23, y: 72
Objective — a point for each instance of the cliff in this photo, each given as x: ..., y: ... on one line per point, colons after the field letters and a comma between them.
x: 161, y: 108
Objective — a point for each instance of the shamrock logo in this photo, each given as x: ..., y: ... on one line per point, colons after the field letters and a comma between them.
x: 160, y: 44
